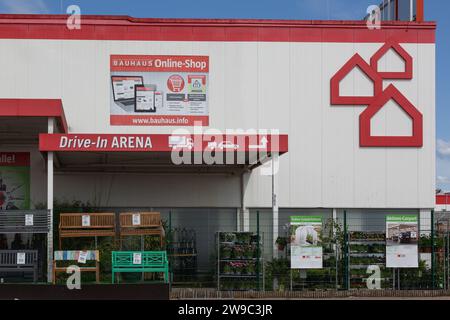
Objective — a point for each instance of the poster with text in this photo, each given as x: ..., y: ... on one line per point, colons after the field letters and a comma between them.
x: 306, y: 242
x: 402, y: 232
x: 14, y: 180
x: 150, y: 90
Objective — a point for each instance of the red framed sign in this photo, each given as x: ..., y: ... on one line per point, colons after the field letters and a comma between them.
x: 162, y: 143
x: 179, y: 83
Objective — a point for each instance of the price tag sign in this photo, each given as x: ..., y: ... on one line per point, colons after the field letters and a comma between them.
x: 82, y: 257
x: 20, y: 257
x: 137, y: 258
x: 86, y: 221
x: 136, y: 219
x: 29, y: 220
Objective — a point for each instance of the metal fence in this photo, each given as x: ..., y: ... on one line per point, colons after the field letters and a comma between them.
x: 352, y: 241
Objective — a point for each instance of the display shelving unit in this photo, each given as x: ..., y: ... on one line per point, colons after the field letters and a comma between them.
x: 183, y: 254
x: 239, y: 261
x: 365, y: 249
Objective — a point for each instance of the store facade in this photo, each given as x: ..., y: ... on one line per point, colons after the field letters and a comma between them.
x: 336, y: 120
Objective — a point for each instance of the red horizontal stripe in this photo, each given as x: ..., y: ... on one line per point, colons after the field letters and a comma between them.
x: 127, y: 28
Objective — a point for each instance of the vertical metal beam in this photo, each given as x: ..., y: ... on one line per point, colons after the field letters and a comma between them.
x: 258, y: 252
x: 346, y: 262
x: 239, y: 219
x: 275, y: 202
x: 51, y: 128
x: 244, y: 216
x: 335, y: 247
x: 419, y: 11
x: 396, y: 10
x: 433, y: 262
x: 411, y: 10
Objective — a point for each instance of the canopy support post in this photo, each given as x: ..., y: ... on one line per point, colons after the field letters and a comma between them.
x: 244, y: 211
x: 275, y: 203
x: 51, y: 127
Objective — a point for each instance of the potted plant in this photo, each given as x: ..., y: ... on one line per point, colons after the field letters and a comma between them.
x: 237, y: 267
x: 250, y: 269
x: 226, y: 252
x: 248, y: 252
x: 246, y: 237
x: 227, y: 269
x: 425, y: 244
x: 281, y: 243
x: 229, y: 237
x: 240, y: 237
x: 238, y: 252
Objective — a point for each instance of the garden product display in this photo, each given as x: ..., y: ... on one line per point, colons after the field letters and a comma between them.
x: 366, y: 249
x: 239, y: 261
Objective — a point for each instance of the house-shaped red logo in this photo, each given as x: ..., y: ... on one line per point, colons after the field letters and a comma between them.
x: 380, y: 98
x: 408, y: 60
x: 355, y: 62
x: 391, y: 93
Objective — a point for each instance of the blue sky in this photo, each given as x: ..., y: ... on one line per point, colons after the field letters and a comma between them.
x: 435, y: 10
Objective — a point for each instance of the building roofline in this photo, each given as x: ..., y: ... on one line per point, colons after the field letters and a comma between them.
x: 125, y: 28
x: 127, y: 20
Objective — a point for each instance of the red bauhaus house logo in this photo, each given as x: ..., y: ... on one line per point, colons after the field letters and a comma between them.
x: 380, y: 97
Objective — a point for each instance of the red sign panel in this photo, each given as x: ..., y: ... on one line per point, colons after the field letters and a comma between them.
x: 14, y: 159
x: 177, y: 92
x: 141, y: 63
x: 162, y: 143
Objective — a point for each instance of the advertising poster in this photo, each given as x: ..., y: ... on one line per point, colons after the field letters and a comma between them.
x: 402, y: 232
x: 14, y: 180
x: 159, y: 90
x: 306, y: 242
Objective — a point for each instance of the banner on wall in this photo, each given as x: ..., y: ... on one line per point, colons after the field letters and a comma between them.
x: 306, y: 242
x: 402, y: 232
x: 14, y: 180
x: 159, y: 90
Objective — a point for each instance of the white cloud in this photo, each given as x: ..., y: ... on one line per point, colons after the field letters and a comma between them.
x: 442, y: 180
x: 443, y: 148
x: 24, y: 6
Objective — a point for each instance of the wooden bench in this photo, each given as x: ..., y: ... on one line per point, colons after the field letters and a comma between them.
x: 72, y: 255
x: 74, y: 225
x: 19, y: 261
x: 141, y: 224
x: 24, y: 221
x: 140, y: 261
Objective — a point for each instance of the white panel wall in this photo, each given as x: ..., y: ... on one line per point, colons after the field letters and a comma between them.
x: 146, y: 190
x: 284, y: 86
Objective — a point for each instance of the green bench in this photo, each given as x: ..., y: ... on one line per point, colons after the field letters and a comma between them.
x: 140, y: 261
